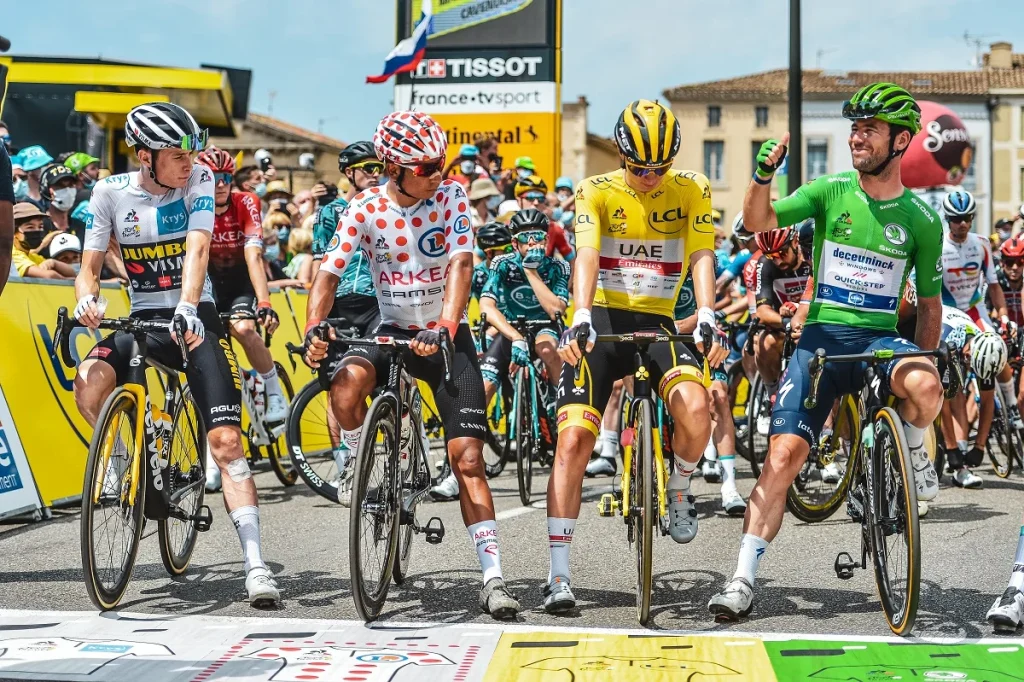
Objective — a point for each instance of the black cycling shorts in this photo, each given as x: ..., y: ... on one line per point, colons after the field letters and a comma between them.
x: 581, y: 403
x: 212, y: 369
x: 361, y: 312
x: 463, y: 409
x: 234, y: 295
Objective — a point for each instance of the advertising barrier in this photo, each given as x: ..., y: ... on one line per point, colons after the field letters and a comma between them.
x: 17, y: 487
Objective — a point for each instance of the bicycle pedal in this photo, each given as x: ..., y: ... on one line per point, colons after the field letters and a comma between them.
x: 844, y: 566
x: 608, y: 506
x: 203, y: 519
x: 434, y: 532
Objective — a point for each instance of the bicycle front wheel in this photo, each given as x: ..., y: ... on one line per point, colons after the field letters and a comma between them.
x: 758, y: 421
x: 277, y: 451
x: 893, y: 523
x: 525, y: 443
x: 1003, y: 444
x: 820, y: 487
x: 311, y: 441
x: 113, y: 499
x: 375, y: 513
x: 642, y: 510
x: 186, y: 479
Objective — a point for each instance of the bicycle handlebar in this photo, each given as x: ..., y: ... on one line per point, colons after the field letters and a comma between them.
x: 240, y: 316
x: 447, y: 348
x: 65, y: 324
x: 643, y: 338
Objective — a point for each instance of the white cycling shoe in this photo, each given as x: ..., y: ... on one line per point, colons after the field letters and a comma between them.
x: 925, y: 478
x: 1007, y: 612
x: 764, y: 424
x: 261, y: 587
x: 965, y: 478
x: 711, y: 471
x: 831, y: 474
x: 345, y: 482
x: 600, y: 466
x: 734, y: 602
x: 732, y: 502
x: 277, y: 408
x: 446, y: 490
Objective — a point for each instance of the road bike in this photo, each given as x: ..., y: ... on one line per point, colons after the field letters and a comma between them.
x: 145, y: 462
x: 759, y: 401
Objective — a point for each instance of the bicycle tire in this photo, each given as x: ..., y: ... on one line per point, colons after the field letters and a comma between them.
x: 277, y: 452
x: 418, y: 464
x: 382, y: 503
x: 496, y: 441
x: 1004, y: 438
x: 176, y: 555
x: 120, y: 402
x: 890, y: 463
x: 642, y: 514
x: 524, y: 436
x: 798, y: 500
x: 309, y: 441
x: 757, y: 443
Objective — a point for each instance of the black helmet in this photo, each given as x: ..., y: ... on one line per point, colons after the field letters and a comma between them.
x: 53, y: 174
x: 493, y: 235
x: 162, y: 125
x: 354, y: 153
x: 527, y: 219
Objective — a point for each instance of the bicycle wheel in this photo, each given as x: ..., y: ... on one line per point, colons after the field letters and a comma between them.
x: 310, y: 442
x: 418, y: 470
x: 496, y: 442
x: 186, y: 479
x: 1003, y: 442
x: 820, y: 487
x: 374, y: 516
x: 739, y: 391
x: 642, y: 511
x: 113, y: 499
x: 893, y: 523
x: 277, y: 451
x: 757, y: 435
x: 522, y: 406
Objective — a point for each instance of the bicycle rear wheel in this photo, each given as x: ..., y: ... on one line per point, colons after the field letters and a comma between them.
x: 757, y: 442
x: 525, y: 442
x: 893, y: 523
x: 186, y: 480
x: 1003, y: 444
x: 113, y: 499
x: 642, y: 510
x: 375, y: 513
x: 815, y: 495
x: 310, y: 442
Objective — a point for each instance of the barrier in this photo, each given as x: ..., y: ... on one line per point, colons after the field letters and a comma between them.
x: 17, y: 487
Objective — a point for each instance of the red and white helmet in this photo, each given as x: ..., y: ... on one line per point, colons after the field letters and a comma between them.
x: 409, y: 138
x: 774, y: 241
x: 217, y: 160
x: 1013, y: 247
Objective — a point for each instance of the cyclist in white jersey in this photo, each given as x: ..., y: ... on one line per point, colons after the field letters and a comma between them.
x: 416, y: 233
x: 966, y: 266
x: 162, y: 219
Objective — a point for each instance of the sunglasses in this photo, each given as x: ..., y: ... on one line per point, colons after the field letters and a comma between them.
x: 960, y: 219
x: 779, y: 255
x: 498, y: 250
x: 533, y: 196
x: 643, y: 171
x: 526, y: 236
x: 226, y: 178
x: 370, y: 167
x: 1012, y: 262
x: 428, y: 168
x: 195, y: 143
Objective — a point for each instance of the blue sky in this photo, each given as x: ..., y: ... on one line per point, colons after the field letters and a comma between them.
x: 316, y: 53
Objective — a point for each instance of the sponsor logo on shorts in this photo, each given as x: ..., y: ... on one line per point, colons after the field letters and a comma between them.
x: 779, y: 421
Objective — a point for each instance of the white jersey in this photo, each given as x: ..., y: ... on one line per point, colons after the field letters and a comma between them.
x: 150, y: 230
x: 965, y: 268
x: 297, y: 663
x: 65, y: 656
x: 409, y: 250
x: 957, y: 326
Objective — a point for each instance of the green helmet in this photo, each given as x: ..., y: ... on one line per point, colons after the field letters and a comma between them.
x: 887, y: 102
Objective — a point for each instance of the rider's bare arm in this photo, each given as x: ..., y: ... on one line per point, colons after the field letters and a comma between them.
x: 197, y: 259
x: 929, y: 322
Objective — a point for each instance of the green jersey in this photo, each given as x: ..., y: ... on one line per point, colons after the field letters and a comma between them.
x: 480, y: 273
x: 356, y: 279
x: 864, y: 250
x: 508, y: 286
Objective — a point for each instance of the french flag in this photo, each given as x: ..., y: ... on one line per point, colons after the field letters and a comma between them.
x: 407, y: 54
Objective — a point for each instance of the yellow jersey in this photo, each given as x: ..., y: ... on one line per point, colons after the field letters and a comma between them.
x: 644, y: 240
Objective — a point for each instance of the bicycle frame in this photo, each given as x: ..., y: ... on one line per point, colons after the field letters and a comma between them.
x: 263, y: 437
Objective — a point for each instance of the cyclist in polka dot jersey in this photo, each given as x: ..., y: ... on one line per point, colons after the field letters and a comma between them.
x: 416, y: 233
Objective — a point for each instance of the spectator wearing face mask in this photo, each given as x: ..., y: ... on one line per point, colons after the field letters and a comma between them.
x: 28, y: 236
x: 58, y: 188
x: 300, y: 267
x: 250, y: 179
x: 276, y: 229
x: 7, y: 201
x: 484, y: 199
x: 20, y: 180
x: 277, y: 198
x: 465, y: 168
x: 34, y: 159
x: 567, y: 200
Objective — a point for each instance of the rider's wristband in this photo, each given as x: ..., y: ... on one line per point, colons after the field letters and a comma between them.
x: 763, y: 181
x: 706, y: 316
x: 450, y: 325
x: 310, y: 325
x: 263, y: 304
x: 580, y: 316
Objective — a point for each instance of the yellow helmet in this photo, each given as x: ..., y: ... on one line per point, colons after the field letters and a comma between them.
x: 647, y: 134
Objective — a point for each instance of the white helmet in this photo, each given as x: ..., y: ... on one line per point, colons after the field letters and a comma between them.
x: 738, y: 229
x: 408, y: 138
x: 988, y: 355
x: 162, y: 125
x: 959, y: 203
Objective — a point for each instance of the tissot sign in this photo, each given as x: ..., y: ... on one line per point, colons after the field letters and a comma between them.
x: 483, y: 66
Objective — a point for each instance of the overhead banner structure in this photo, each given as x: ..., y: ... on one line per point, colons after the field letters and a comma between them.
x: 492, y: 68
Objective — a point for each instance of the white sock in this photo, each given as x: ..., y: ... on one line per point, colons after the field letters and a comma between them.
x: 915, y: 436
x: 728, y: 471
x: 247, y: 523
x: 485, y: 537
x: 351, y: 439
x: 1006, y: 390
x: 271, y: 382
x: 610, y: 443
x: 752, y: 549
x: 682, y: 472
x: 560, y: 533
x: 710, y: 453
x: 1017, y: 576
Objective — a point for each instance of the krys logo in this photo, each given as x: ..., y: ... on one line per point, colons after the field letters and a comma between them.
x: 432, y: 243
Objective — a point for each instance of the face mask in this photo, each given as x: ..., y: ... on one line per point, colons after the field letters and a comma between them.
x: 523, y: 173
x: 562, y: 196
x: 556, y: 213
x: 282, y: 234
x: 467, y: 167
x: 494, y: 202
x: 567, y: 217
x: 77, y: 267
x: 32, y: 239
x: 20, y: 190
x: 272, y: 252
x: 1004, y: 235
x: 87, y: 182
x: 63, y: 199
x: 261, y: 189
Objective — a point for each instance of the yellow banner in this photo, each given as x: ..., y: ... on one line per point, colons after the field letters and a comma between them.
x: 535, y: 135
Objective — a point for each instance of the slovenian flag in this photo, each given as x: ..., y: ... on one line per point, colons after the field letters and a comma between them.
x: 407, y: 54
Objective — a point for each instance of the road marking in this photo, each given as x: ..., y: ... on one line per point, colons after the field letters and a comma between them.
x: 852, y: 648
x: 512, y: 513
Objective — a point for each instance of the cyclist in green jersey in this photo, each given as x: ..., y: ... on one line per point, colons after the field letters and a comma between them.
x: 870, y: 231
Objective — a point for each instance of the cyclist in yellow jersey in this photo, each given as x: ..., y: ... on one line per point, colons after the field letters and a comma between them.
x: 638, y: 230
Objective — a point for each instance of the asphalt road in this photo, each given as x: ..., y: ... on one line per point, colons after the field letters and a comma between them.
x: 968, y: 541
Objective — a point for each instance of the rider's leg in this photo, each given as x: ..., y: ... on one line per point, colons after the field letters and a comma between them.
x: 1004, y: 381
x: 768, y: 359
x: 985, y: 414
x: 917, y: 383
x: 547, y: 349
x: 609, y: 436
x: 257, y: 352
x: 351, y: 385
x: 1007, y: 612
x: 689, y: 405
x: 724, y: 435
x: 95, y: 381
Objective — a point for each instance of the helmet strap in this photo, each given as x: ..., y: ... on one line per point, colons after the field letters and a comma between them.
x: 399, y: 180
x: 152, y: 170
x: 893, y: 153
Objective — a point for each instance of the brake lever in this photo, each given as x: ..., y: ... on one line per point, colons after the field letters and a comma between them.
x: 62, y: 338
x: 446, y: 353
x: 179, y: 334
x: 582, y: 336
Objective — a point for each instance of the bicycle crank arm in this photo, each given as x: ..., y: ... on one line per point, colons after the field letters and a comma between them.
x: 203, y: 518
